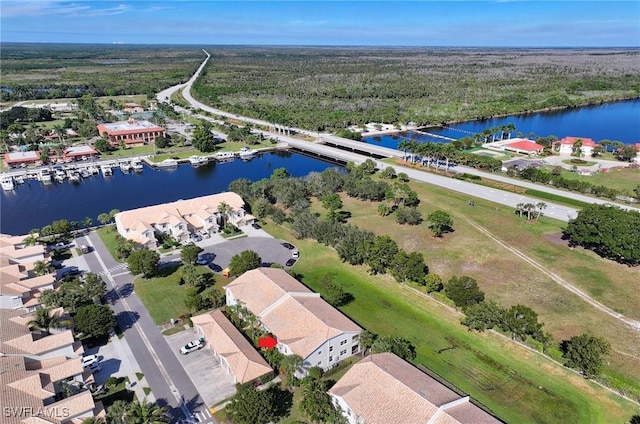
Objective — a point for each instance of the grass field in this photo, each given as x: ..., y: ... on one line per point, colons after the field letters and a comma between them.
x: 518, y: 385
x: 623, y: 179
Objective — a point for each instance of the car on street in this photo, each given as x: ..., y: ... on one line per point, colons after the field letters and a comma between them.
x: 202, y: 260
x: 192, y: 346
x: 288, y: 245
x: 290, y: 262
x: 295, y: 254
x: 90, y: 360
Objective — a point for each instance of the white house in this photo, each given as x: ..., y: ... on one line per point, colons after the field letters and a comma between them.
x: 302, y: 322
x: 383, y: 388
x: 566, y: 145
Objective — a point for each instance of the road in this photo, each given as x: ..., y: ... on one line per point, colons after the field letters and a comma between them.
x: 167, y: 379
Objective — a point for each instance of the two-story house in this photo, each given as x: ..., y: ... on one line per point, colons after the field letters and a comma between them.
x: 303, y: 323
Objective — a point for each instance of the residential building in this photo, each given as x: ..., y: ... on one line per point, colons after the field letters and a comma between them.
x: 524, y: 146
x: 637, y: 158
x: 133, y: 108
x: 16, y: 248
x: 302, y: 322
x: 42, y: 379
x: 383, y: 388
x: 21, y: 159
x: 237, y: 356
x: 79, y: 153
x: 566, y: 145
x: 179, y: 219
x: 131, y: 132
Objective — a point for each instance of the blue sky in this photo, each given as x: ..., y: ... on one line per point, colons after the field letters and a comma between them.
x: 503, y: 23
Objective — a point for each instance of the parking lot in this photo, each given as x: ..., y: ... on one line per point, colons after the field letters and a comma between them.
x: 269, y: 249
x: 203, y: 368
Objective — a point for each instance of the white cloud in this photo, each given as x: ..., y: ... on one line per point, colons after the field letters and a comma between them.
x: 12, y: 8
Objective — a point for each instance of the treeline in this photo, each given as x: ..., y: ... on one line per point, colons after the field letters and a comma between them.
x: 611, y: 232
x: 445, y: 155
x: 555, y: 179
x: 22, y: 115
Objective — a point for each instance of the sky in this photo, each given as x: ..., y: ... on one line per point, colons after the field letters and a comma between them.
x: 498, y: 23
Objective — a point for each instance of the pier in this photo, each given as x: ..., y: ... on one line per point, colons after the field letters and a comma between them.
x: 442, y: 137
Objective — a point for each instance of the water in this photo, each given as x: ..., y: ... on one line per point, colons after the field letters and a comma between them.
x: 34, y: 205
x: 618, y: 121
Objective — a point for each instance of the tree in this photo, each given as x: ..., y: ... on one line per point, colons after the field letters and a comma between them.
x: 408, y: 267
x: 410, y: 216
x: 143, y: 262
x: 243, y: 262
x: 96, y: 320
x: 335, y: 294
x: 316, y: 403
x: 104, y: 218
x: 403, y: 177
x: 161, y: 142
x: 540, y: 206
x: 628, y: 153
x: 332, y: 203
x: 44, y: 320
x: 102, y: 145
x: 521, y: 321
x: 381, y: 254
x: 464, y: 291
x: 61, y: 227
x: 483, y: 316
x: 40, y: 268
x: 584, y: 353
x: 354, y: 247
x: 394, y: 344
x: 433, y: 283
x: 440, y: 223
x: 189, y: 253
x: 251, y: 406
x: 191, y: 276
x: 291, y: 364
x: 146, y: 413
x: 388, y: 173
x: 366, y: 341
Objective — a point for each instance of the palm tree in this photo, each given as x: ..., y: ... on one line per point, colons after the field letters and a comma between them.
x: 290, y: 364
x: 40, y: 268
x: 145, y: 413
x: 224, y: 210
x: 316, y: 402
x: 366, y: 341
x: 116, y: 412
x: 93, y: 420
x: 404, y: 146
x: 447, y: 151
x: 520, y: 208
x: 540, y: 207
x: 510, y: 127
x: 59, y: 131
x: 529, y: 207
x: 44, y: 320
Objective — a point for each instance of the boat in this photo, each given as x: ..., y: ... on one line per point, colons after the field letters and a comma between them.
x: 246, y: 152
x: 84, y: 173
x: 125, y: 167
x: 73, y: 176
x: 167, y: 163
x: 19, y: 179
x: 224, y: 155
x: 198, y: 160
x: 44, y: 175
x: 7, y: 183
x: 59, y: 175
x: 92, y: 169
x: 106, y: 170
x: 136, y: 164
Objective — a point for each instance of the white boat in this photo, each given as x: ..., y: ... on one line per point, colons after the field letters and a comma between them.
x: 73, y: 176
x: 246, y: 152
x: 92, y: 169
x: 198, y: 160
x: 7, y: 183
x: 167, y: 163
x: 125, y: 167
x: 84, y: 173
x: 224, y: 155
x: 19, y: 179
x: 60, y: 176
x: 136, y: 164
x: 106, y: 170
x: 44, y: 175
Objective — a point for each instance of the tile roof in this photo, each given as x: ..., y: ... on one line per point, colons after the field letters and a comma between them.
x: 297, y: 316
x: 225, y: 340
x: 528, y: 145
x: 382, y: 388
x: 16, y: 339
x: 586, y: 142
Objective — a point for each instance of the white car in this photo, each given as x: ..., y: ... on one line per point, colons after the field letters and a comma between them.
x: 192, y: 346
x: 89, y: 360
x: 295, y: 254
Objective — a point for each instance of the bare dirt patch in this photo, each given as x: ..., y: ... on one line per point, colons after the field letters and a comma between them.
x: 556, y: 238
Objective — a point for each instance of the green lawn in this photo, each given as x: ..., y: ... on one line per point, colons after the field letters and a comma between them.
x: 163, y: 296
x: 518, y: 385
x: 623, y: 179
x: 129, y: 152
x: 586, y: 163
x: 108, y: 235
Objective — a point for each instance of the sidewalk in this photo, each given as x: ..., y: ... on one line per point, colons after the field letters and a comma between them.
x: 129, y: 368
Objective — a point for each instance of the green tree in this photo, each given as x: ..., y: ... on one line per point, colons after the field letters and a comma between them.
x: 146, y: 413
x: 161, y: 142
x: 96, y: 320
x: 196, y: 302
x: 189, y: 253
x: 44, y: 320
x: 403, y: 177
x: 143, y: 262
x: 521, y: 321
x: 585, y: 353
x: 440, y: 222
x: 61, y: 227
x: 280, y: 173
x: 483, y: 316
x: 332, y: 203
x: 104, y: 218
x: 408, y: 266
x: 102, y: 145
x: 464, y: 291
x: 367, y: 339
x: 381, y: 254
x: 291, y: 364
x: 40, y: 268
x: 354, y: 247
x: 316, y: 403
x: 251, y: 406
x: 410, y: 216
x: 335, y: 294
x: 394, y: 344
x: 243, y: 262
x: 433, y: 283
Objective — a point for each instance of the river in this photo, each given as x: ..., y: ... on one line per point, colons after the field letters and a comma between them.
x: 34, y: 205
x: 619, y: 121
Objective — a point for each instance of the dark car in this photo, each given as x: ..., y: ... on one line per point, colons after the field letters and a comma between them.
x: 290, y: 262
x: 256, y: 225
x: 288, y: 245
x: 69, y: 272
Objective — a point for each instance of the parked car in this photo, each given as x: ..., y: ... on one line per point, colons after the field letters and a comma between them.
x: 69, y: 272
x: 89, y: 360
x: 288, y: 245
x: 192, y: 346
x: 295, y: 254
x: 290, y: 262
x: 256, y: 225
x: 204, y: 234
x: 202, y: 260
x: 195, y: 237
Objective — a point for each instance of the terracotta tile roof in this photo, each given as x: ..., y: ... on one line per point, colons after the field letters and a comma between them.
x: 15, y: 337
x: 383, y: 388
x: 14, y: 247
x: 586, y: 142
x: 78, y: 404
x: 225, y: 340
x: 298, y: 317
x: 469, y: 413
x: 527, y: 145
x: 37, y: 282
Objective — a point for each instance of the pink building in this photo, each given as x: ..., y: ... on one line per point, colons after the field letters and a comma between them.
x: 132, y: 132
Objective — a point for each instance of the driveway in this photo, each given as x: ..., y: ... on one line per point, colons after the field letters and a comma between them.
x: 203, y: 368
x: 269, y: 249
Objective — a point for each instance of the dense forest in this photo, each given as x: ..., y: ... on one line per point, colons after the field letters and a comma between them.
x: 318, y: 88
x: 52, y: 71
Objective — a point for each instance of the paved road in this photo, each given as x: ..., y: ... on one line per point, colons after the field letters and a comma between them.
x: 167, y: 379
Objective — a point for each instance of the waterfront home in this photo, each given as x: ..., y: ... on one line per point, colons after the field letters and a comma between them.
x: 80, y: 153
x: 131, y: 132
x: 637, y: 158
x: 181, y: 218
x: 383, y: 388
x: 524, y: 146
x: 568, y: 145
x: 301, y: 321
x: 21, y: 159
x: 16, y: 249
x: 131, y: 107
x: 237, y: 356
x: 43, y: 373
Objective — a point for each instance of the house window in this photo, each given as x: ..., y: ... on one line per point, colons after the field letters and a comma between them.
x: 330, y: 358
x: 354, y: 349
x: 343, y: 342
x: 354, y: 338
x: 319, y: 352
x: 330, y: 348
x: 343, y: 352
